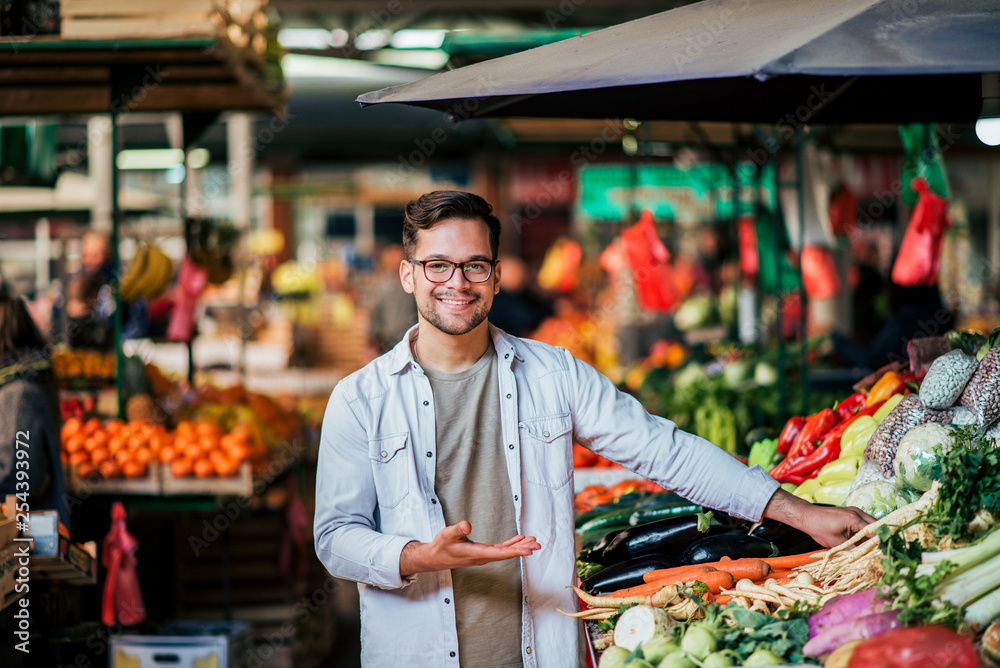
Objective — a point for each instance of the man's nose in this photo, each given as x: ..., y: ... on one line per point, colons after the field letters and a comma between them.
x: 458, y: 278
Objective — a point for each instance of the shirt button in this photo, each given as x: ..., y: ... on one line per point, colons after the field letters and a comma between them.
x: 545, y: 434
x: 447, y: 600
x: 429, y: 454
x: 434, y: 501
x: 384, y: 453
x: 508, y: 396
x: 515, y: 497
x: 511, y: 446
x: 451, y: 654
x: 427, y: 403
x: 506, y: 356
x: 527, y: 650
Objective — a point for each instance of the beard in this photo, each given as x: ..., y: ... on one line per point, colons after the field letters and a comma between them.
x: 454, y: 324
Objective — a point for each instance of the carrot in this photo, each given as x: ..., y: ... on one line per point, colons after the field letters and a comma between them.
x: 722, y: 599
x: 780, y: 575
x: 751, y: 569
x: 716, y: 580
x: 639, y: 590
x: 790, y: 561
x: 678, y: 573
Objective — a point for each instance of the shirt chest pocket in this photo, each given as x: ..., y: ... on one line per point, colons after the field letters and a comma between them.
x: 390, y: 459
x: 546, y: 450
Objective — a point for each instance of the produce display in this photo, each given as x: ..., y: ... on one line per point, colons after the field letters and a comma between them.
x: 916, y: 448
x: 83, y: 367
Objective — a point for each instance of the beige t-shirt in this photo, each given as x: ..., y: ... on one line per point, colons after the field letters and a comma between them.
x: 472, y: 485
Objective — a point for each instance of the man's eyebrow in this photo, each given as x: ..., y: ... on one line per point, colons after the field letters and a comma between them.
x: 443, y: 256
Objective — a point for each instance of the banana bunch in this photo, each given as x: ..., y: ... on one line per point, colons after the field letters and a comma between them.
x: 148, y: 274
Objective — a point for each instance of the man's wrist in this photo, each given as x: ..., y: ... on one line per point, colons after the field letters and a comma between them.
x: 786, y: 508
x: 409, y: 559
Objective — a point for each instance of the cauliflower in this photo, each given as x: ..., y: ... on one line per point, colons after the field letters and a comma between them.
x: 877, y: 498
x: 916, y: 463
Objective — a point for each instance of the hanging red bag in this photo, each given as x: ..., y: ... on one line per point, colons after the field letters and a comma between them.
x: 749, y: 261
x: 819, y: 273
x: 920, y: 253
x: 122, y: 602
x: 649, y: 260
x: 843, y: 211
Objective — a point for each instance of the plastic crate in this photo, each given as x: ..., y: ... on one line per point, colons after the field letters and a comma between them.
x: 183, y: 644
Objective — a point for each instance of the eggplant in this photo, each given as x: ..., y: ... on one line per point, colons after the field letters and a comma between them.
x: 788, y: 540
x: 734, y: 544
x: 664, y: 537
x: 626, y: 574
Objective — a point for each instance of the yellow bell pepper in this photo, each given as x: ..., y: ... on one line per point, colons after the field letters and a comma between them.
x: 887, y: 407
x: 806, y: 489
x: 856, y: 436
x: 884, y: 388
x: 833, y: 493
x: 844, y: 468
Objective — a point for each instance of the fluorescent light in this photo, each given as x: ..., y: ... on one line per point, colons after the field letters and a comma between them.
x: 988, y: 131
x: 430, y: 59
x: 339, y: 38
x: 304, y: 38
x: 417, y: 39
x: 150, y: 158
x: 198, y: 158
x: 371, y: 40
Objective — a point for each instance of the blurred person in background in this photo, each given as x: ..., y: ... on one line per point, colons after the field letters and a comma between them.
x: 393, y: 311
x: 89, y: 302
x: 515, y: 310
x: 29, y: 412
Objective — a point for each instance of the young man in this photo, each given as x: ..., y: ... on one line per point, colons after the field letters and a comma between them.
x: 444, y: 485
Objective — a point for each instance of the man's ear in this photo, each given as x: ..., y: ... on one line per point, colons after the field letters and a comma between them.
x: 496, y: 277
x: 406, y: 276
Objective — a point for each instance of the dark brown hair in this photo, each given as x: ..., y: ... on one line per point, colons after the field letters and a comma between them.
x: 18, y: 332
x: 424, y: 212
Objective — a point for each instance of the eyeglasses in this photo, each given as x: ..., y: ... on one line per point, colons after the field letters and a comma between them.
x: 441, y: 271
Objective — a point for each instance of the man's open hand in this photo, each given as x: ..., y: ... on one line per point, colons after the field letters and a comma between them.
x: 451, y: 548
x: 828, y: 526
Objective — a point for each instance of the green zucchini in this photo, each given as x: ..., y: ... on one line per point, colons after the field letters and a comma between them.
x: 647, y: 515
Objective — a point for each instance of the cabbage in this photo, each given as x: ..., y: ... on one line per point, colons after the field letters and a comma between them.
x: 916, y: 463
x: 877, y: 498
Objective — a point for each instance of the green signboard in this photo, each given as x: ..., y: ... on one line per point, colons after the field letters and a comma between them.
x: 696, y: 194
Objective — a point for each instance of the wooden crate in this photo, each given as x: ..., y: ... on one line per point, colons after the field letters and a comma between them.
x: 147, y: 485
x: 240, y: 484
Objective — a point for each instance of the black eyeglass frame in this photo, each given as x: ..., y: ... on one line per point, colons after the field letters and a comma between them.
x: 454, y: 266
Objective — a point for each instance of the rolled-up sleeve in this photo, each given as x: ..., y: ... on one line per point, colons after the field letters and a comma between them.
x: 615, y: 425
x: 344, y: 526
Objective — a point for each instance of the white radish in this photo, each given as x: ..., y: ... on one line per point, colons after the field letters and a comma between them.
x: 640, y: 623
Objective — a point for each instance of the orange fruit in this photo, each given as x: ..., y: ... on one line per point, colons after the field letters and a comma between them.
x: 185, y: 428
x: 208, y: 429
x: 224, y: 466
x: 113, y: 426
x: 109, y: 469
x: 116, y: 443
x: 89, y: 444
x: 100, y: 437
x: 134, y: 469
x: 84, y: 469
x: 167, y: 454
x: 79, y: 457
x: 100, y: 454
x: 143, y: 455
x: 208, y: 443
x: 136, y: 442
x: 91, y: 425
x: 181, y: 467
x: 74, y: 443
x: 191, y: 450
x: 237, y: 452
x: 121, y: 457
x: 203, y: 468
x: 70, y: 427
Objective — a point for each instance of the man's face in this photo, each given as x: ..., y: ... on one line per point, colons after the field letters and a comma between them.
x: 457, y: 306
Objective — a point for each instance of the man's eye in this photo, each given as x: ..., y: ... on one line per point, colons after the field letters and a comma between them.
x: 475, y: 267
x: 438, y: 267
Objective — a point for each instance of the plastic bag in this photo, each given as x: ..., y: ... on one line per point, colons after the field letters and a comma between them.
x: 122, y: 601
x: 919, y: 257
x: 191, y: 282
x: 819, y: 273
x: 649, y: 260
x: 922, y: 158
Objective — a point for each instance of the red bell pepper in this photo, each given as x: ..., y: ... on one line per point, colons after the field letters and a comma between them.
x: 851, y: 405
x: 816, y: 427
x: 916, y: 647
x: 791, y: 431
x: 818, y: 458
x: 778, y: 471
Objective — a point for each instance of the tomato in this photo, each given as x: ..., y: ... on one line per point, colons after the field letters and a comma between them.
x: 916, y: 647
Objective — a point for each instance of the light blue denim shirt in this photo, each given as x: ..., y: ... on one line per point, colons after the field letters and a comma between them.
x: 375, y: 491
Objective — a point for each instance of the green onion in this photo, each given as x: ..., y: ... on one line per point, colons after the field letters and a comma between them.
x: 973, y: 583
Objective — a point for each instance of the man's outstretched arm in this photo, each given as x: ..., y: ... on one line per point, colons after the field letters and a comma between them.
x: 451, y: 548
x: 828, y: 526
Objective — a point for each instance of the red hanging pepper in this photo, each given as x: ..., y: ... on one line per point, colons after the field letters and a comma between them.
x: 851, y: 405
x: 791, y: 431
x: 815, y: 428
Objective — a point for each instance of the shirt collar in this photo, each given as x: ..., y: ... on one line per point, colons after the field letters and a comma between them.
x: 402, y: 353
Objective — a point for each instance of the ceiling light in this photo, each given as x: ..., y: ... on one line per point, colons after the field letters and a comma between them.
x: 988, y: 131
x: 305, y: 38
x: 198, y: 158
x: 417, y: 39
x: 150, y: 158
x: 429, y: 59
x: 371, y: 40
x: 339, y: 38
